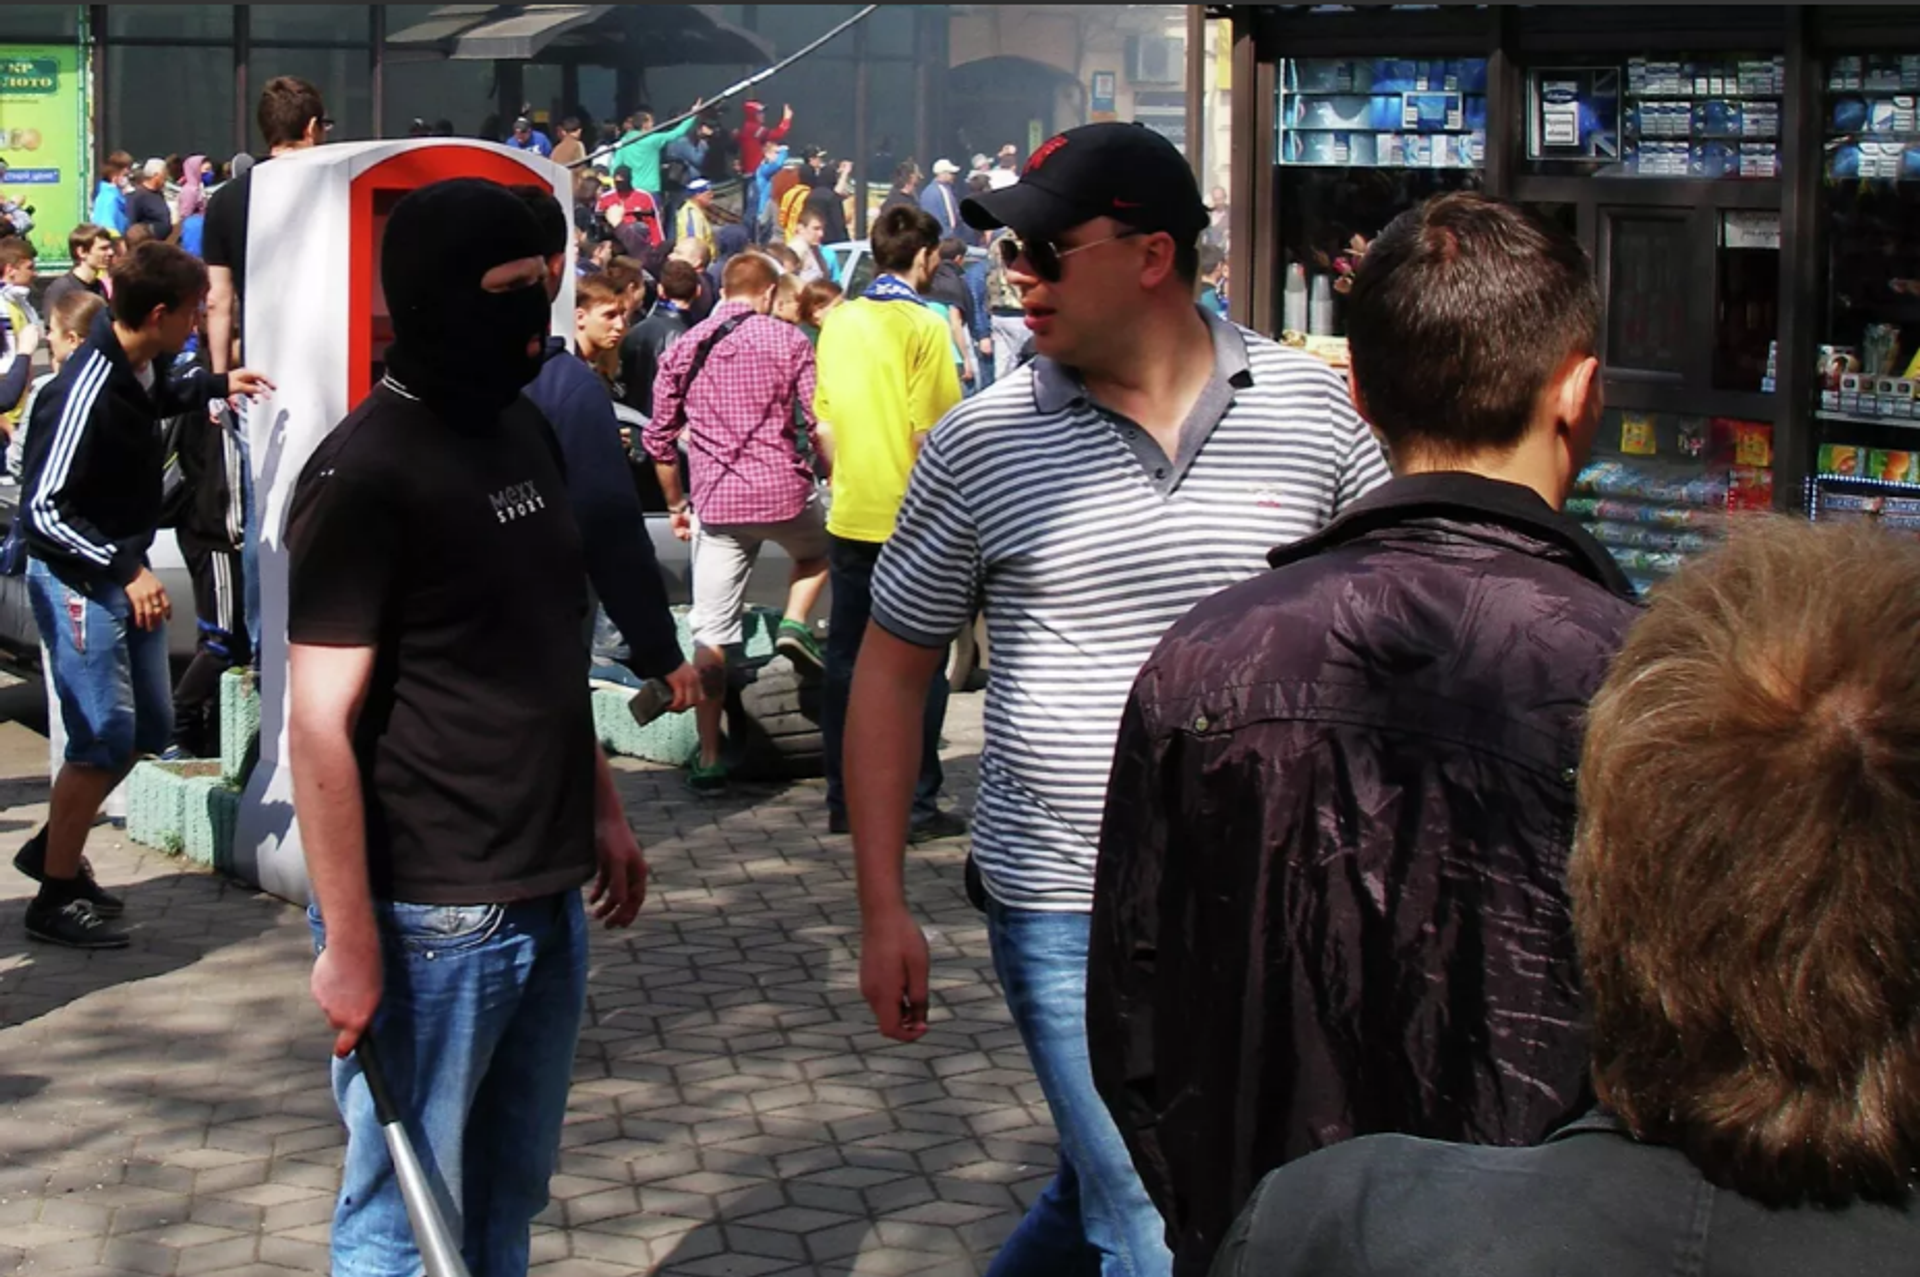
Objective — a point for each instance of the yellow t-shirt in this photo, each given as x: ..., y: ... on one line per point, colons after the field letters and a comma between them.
x: 885, y: 377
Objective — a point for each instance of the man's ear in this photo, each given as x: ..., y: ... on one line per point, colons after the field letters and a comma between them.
x: 1577, y: 394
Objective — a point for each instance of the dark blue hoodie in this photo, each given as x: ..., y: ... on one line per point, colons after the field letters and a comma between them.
x: 613, y: 528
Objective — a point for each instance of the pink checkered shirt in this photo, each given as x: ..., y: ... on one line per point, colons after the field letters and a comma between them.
x: 739, y: 419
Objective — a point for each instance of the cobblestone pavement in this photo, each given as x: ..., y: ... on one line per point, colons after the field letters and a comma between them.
x: 165, y: 1109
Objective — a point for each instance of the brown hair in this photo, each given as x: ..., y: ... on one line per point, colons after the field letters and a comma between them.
x: 781, y: 255
x: 139, y: 233
x: 74, y: 313
x: 1462, y: 311
x: 15, y: 249
x: 748, y: 275
x: 596, y: 290
x: 679, y: 281
x: 155, y: 273
x: 83, y: 237
x: 115, y: 164
x: 287, y: 105
x: 1746, y: 879
x: 819, y: 295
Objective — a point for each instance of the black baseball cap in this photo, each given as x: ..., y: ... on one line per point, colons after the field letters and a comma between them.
x: 1123, y: 171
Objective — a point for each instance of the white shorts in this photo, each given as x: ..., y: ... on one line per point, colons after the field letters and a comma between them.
x: 723, y: 559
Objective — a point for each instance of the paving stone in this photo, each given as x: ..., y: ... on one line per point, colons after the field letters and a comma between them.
x: 734, y: 1113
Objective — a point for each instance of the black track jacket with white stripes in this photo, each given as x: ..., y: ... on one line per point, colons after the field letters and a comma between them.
x: 94, y: 459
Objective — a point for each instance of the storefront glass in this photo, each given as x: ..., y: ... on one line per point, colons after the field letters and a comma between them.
x: 1362, y: 140
x: 1692, y: 117
x: 1867, y: 463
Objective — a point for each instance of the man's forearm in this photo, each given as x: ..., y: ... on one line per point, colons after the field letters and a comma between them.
x: 220, y: 332
x: 668, y: 473
x: 329, y: 804
x: 882, y: 761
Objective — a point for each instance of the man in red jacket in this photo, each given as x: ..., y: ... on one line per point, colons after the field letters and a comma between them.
x: 754, y: 132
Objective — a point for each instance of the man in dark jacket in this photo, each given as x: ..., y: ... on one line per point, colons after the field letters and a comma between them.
x: 92, y: 503
x: 646, y: 341
x: 1331, y: 890
x: 1747, y: 788
x: 621, y: 563
x: 208, y: 515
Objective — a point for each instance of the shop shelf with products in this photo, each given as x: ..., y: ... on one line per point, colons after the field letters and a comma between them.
x: 1361, y: 140
x: 1868, y: 366
x: 1658, y: 117
x: 1661, y: 486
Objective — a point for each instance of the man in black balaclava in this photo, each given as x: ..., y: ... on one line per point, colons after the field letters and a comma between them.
x: 451, y: 795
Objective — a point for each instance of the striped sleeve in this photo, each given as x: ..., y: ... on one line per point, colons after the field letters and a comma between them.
x: 927, y: 584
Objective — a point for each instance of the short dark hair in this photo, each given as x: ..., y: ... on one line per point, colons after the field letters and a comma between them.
x: 901, y: 234
x: 16, y: 249
x: 1461, y: 312
x: 138, y: 234
x: 156, y: 273
x: 817, y: 296
x: 749, y: 274
x: 951, y: 249
x: 1742, y: 882
x: 570, y: 124
x: 625, y: 272
x: 83, y: 237
x: 1209, y: 259
x: 905, y: 171
x: 287, y: 105
x: 546, y: 210
x: 679, y: 281
x: 115, y: 164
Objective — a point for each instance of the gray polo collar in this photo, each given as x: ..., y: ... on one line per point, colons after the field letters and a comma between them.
x: 1057, y: 387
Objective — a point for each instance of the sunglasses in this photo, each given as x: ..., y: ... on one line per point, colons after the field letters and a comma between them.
x: 1045, y: 256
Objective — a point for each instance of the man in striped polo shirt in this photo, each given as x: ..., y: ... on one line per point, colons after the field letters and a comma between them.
x: 1150, y: 456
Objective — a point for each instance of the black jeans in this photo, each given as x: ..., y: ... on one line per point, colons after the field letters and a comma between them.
x: 222, y: 645
x: 850, y: 568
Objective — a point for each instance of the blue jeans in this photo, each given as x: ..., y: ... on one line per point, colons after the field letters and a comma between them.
x: 476, y: 1028
x: 115, y: 690
x: 850, y: 567
x: 1095, y: 1217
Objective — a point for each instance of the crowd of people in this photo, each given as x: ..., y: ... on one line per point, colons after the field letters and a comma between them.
x: 1376, y: 884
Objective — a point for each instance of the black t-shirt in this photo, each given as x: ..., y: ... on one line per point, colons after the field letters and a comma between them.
x: 453, y: 551
x: 223, y: 237
x: 68, y: 283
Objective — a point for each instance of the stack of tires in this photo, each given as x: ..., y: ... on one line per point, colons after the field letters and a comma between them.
x: 773, y: 722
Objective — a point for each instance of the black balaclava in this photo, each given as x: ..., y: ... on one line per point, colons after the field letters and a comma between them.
x: 462, y: 349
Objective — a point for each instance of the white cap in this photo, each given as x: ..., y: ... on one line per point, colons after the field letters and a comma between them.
x: 981, y: 161
x: 153, y: 168
x: 944, y: 166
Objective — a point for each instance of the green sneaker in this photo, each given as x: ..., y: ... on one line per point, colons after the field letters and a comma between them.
x: 707, y: 780
x: 796, y: 642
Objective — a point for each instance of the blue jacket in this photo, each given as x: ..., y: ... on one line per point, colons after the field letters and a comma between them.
x: 94, y: 458
x: 110, y: 208
x: 976, y: 277
x: 763, y: 180
x: 935, y: 198
x: 621, y: 563
x: 688, y: 151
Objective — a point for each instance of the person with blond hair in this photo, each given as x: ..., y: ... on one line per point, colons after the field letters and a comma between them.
x: 1748, y: 930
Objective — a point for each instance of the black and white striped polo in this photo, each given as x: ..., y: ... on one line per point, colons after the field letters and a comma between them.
x: 1085, y: 543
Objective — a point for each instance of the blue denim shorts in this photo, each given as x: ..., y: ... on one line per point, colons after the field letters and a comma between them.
x: 115, y: 689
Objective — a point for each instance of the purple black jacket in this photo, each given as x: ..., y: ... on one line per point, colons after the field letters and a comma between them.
x: 1330, y: 898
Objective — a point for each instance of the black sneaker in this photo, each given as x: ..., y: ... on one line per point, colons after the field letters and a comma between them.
x: 32, y: 861
x: 74, y: 925
x: 942, y: 824
x: 837, y: 823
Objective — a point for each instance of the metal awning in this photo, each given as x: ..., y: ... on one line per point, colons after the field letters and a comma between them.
x: 594, y: 34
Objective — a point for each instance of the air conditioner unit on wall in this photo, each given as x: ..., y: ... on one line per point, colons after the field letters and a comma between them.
x: 1156, y: 59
